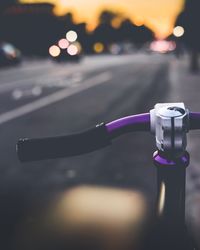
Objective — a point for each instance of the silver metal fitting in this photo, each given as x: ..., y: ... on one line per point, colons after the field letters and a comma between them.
x: 170, y: 123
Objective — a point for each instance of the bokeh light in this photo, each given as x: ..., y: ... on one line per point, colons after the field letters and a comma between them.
x: 72, y: 50
x: 178, y: 31
x: 98, y: 47
x: 83, y: 206
x: 54, y: 51
x: 115, y: 49
x: 9, y: 50
x: 162, y: 46
x: 63, y: 43
x: 71, y: 36
x: 79, y: 47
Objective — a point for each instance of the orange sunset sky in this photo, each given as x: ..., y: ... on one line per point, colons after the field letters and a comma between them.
x: 158, y: 15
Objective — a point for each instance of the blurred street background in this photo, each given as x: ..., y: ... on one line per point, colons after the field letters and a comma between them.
x: 66, y: 66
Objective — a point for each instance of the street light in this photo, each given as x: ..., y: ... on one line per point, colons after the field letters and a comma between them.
x: 63, y: 43
x: 98, y: 47
x: 178, y: 31
x: 72, y: 50
x: 71, y: 36
x: 54, y: 51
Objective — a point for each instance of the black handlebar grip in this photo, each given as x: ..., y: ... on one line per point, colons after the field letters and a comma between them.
x: 63, y: 146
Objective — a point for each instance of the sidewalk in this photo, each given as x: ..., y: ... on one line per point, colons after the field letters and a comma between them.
x: 185, y: 87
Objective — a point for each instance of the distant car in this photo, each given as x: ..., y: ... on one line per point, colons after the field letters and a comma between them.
x: 64, y: 57
x: 9, y: 55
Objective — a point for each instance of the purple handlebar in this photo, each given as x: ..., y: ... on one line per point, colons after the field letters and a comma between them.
x: 130, y: 123
x: 141, y: 122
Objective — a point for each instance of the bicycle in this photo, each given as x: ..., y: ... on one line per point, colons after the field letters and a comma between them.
x: 170, y: 123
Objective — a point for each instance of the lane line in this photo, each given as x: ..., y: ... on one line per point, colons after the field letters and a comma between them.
x: 88, y: 65
x: 5, y: 87
x: 55, y: 97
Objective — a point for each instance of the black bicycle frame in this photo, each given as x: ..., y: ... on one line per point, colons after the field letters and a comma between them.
x: 170, y: 205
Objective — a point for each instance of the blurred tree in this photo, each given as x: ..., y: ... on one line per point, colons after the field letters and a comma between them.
x: 34, y: 27
x: 127, y: 30
x: 144, y: 34
x: 137, y: 34
x: 189, y: 19
x: 114, y: 27
x: 105, y: 32
x: 106, y: 17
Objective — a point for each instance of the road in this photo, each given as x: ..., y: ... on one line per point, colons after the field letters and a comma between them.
x: 41, y: 98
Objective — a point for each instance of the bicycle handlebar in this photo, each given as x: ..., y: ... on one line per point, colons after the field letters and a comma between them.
x: 194, y: 118
x: 87, y: 141
x: 63, y: 146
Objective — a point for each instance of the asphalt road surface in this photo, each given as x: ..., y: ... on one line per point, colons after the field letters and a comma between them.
x: 41, y: 98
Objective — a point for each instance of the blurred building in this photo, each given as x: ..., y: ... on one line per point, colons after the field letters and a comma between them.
x: 30, y: 27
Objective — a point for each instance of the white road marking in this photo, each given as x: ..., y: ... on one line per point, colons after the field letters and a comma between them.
x: 18, y: 94
x: 37, y: 88
x: 50, y: 79
x: 77, y: 77
x: 55, y: 97
x: 89, y: 64
x: 5, y: 87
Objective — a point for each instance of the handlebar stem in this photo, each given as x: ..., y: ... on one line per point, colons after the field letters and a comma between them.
x: 170, y: 123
